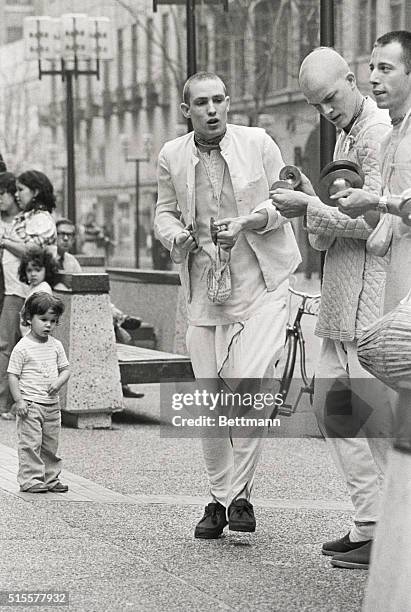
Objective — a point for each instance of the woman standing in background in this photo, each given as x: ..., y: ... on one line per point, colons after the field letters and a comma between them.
x: 33, y: 226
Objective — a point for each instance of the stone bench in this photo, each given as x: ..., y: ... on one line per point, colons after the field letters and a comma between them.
x: 142, y: 365
x: 156, y: 297
x: 98, y: 365
x: 93, y: 391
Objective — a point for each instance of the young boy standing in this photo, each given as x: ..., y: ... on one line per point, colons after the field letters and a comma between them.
x: 38, y: 368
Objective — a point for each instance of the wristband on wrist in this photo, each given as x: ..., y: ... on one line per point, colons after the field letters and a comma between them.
x: 382, y: 206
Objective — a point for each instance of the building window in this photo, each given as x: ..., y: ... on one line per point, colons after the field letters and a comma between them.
x: 309, y: 26
x: 14, y: 33
x: 223, y: 49
x: 134, y: 53
x: 120, y: 57
x: 367, y: 25
x: 338, y: 27
x: 165, y: 27
x: 230, y: 50
x: 263, y: 36
x: 272, y: 20
x: 396, y: 14
x: 240, y: 69
x: 203, y: 50
x: 149, y: 51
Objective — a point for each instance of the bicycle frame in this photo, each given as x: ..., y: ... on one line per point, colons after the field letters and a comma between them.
x: 294, y: 340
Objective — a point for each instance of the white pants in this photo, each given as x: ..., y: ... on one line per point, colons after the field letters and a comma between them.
x: 361, y: 459
x: 389, y: 585
x: 246, y: 350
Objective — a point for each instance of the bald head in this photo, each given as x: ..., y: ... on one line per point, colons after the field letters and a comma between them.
x: 323, y: 64
x: 329, y: 85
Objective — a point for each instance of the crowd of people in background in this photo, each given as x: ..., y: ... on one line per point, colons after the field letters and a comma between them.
x: 34, y: 248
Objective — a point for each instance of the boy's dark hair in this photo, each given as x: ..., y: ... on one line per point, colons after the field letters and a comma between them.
x: 41, y: 258
x: 8, y: 183
x: 38, y: 304
x: 45, y: 198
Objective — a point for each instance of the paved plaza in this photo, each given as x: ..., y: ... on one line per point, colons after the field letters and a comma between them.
x: 122, y: 539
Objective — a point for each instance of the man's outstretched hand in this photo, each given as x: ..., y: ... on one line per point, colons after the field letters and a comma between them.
x: 289, y: 203
x: 293, y: 203
x: 355, y: 202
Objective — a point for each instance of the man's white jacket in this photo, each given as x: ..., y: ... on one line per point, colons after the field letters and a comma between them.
x: 254, y: 161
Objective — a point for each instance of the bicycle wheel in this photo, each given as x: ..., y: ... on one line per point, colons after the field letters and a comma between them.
x: 286, y: 367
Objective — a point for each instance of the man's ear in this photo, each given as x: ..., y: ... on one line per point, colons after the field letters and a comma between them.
x: 185, y: 109
x: 228, y: 102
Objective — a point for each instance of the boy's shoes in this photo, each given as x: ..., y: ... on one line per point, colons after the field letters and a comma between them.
x: 354, y: 559
x: 211, y: 526
x: 39, y: 487
x: 241, y: 516
x: 343, y: 545
x: 59, y: 488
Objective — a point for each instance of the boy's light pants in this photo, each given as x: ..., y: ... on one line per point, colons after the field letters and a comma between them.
x: 244, y: 350
x: 38, y: 439
x: 361, y: 459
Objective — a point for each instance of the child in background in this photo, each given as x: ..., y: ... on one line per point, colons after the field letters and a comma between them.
x: 38, y: 368
x: 38, y: 269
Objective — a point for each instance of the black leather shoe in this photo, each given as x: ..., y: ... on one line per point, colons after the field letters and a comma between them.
x: 59, y: 488
x: 341, y: 546
x: 355, y: 559
x: 211, y: 526
x: 241, y: 516
x: 127, y: 392
x: 131, y: 323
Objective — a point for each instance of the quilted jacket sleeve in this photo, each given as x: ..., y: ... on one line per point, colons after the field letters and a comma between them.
x: 321, y: 242
x: 369, y: 155
x: 328, y: 221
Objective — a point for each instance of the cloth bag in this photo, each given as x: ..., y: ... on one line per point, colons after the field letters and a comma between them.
x: 384, y: 349
x: 219, y: 278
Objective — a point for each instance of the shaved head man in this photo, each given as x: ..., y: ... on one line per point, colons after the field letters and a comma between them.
x: 329, y: 85
x: 352, y: 281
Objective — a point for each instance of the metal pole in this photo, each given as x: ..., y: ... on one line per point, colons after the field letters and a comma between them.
x: 327, y: 130
x: 71, y: 170
x: 191, y: 45
x: 191, y: 38
x: 137, y: 222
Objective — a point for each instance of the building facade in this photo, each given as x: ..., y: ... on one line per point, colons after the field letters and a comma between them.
x: 257, y: 47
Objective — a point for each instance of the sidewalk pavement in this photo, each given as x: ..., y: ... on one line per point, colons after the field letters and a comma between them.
x: 122, y: 538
